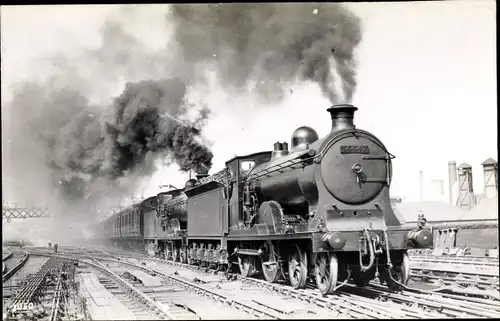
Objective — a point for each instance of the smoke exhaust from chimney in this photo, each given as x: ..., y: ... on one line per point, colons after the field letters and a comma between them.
x: 342, y: 116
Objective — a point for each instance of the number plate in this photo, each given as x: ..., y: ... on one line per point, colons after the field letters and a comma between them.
x: 354, y: 149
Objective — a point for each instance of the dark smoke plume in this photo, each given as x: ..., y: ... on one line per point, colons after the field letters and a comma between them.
x: 269, y: 45
x: 100, y: 150
x: 81, y: 147
x: 146, y: 121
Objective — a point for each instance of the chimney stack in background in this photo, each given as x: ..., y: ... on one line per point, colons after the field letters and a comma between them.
x: 452, y: 179
x: 490, y: 170
x: 466, y: 197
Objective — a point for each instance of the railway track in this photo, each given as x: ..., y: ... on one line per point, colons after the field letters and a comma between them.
x: 374, y: 298
x: 427, y: 306
x: 477, y: 260
x: 32, y: 301
x: 136, y: 303
x: 173, y: 297
x: 372, y: 301
x: 258, y: 296
x: 275, y: 296
x: 5, y: 257
x: 190, y: 300
x: 476, y: 276
x: 12, y: 264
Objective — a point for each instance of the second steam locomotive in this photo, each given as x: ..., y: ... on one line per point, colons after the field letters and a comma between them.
x: 320, y: 209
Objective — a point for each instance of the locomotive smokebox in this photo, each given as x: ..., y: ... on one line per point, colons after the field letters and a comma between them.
x: 342, y: 116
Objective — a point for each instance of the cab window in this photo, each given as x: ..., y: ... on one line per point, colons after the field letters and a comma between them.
x: 246, y: 165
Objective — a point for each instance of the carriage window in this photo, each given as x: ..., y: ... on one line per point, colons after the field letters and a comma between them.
x: 247, y: 165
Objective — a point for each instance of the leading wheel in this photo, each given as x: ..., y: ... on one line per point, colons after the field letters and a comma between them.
x: 297, y: 268
x: 326, y: 271
x: 400, y: 274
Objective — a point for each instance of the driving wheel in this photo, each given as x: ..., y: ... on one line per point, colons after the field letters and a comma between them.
x: 326, y: 270
x: 297, y: 268
x: 247, y: 265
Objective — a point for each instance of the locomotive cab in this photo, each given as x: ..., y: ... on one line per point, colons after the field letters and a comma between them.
x: 239, y: 168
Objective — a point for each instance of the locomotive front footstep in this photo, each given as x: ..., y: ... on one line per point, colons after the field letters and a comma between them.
x: 319, y: 209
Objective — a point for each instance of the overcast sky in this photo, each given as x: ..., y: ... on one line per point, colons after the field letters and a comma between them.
x: 427, y: 83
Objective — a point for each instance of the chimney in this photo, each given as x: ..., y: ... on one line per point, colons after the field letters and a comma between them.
x: 342, y: 116
x: 490, y: 170
x: 280, y: 149
x: 452, y: 179
x: 200, y: 176
x: 466, y: 198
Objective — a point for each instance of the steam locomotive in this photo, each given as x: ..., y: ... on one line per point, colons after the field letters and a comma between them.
x: 320, y: 209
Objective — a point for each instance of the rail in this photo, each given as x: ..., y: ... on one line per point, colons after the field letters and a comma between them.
x: 343, y: 304
x: 7, y: 275
x: 482, y: 260
x: 32, y: 289
x: 408, y: 303
x: 57, y: 298
x: 8, y: 256
x: 412, y: 304
x: 193, y: 287
x: 130, y: 289
x: 171, y: 279
x: 449, y: 305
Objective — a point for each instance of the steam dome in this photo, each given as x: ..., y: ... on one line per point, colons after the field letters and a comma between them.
x: 190, y: 183
x: 303, y: 136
